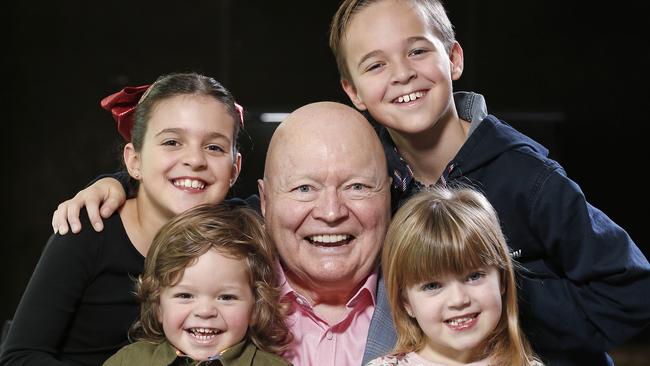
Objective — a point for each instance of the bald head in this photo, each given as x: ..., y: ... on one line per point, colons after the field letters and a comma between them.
x: 325, y: 198
x: 327, y: 126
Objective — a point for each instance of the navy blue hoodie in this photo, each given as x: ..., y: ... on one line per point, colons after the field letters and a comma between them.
x: 584, y: 285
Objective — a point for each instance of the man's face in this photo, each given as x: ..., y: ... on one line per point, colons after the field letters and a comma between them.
x: 326, y: 203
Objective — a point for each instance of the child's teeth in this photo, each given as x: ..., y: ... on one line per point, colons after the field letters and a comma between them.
x: 409, y: 97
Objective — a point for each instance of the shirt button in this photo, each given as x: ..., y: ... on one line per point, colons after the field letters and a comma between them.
x: 329, y: 335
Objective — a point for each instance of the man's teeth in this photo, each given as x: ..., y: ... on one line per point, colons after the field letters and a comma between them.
x: 409, y: 97
x: 328, y: 238
x: 189, y: 183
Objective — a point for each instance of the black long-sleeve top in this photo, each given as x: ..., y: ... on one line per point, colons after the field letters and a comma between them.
x: 79, y: 303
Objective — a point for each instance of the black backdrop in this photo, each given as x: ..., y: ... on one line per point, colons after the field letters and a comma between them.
x: 572, y: 76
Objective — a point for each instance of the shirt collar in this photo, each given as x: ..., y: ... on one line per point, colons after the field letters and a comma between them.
x: 471, y: 107
x: 369, y: 287
x: 166, y: 354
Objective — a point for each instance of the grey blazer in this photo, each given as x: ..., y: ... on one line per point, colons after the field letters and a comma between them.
x: 381, y: 335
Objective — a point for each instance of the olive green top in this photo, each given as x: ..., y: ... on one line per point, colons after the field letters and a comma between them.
x: 144, y: 353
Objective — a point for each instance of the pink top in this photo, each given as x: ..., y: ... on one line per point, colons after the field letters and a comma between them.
x: 413, y: 359
x: 315, y: 341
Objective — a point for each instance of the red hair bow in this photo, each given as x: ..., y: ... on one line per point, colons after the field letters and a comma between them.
x: 240, y: 110
x: 122, y: 106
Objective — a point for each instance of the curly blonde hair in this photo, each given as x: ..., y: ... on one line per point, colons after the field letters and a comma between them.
x: 235, y: 231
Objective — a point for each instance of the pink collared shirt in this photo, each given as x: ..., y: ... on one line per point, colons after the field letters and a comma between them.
x: 318, y: 343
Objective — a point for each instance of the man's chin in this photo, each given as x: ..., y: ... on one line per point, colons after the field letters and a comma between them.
x: 340, y: 276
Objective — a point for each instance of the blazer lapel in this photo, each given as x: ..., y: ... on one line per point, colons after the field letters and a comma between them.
x: 381, y: 335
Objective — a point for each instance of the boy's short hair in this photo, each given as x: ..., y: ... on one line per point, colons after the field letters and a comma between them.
x: 432, y: 10
x: 234, y: 231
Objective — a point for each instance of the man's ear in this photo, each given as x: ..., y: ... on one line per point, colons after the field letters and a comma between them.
x: 351, y: 91
x: 132, y: 161
x: 260, y: 189
x: 457, y: 61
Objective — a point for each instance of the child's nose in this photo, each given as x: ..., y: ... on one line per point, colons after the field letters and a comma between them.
x: 458, y: 296
x: 206, y: 309
x: 194, y: 157
x: 402, y: 72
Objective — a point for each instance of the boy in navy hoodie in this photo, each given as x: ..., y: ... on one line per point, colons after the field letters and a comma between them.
x: 583, y: 276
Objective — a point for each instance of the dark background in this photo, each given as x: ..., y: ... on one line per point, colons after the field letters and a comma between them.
x: 571, y: 75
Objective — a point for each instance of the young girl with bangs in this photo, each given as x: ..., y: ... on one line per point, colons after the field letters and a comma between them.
x: 450, y: 284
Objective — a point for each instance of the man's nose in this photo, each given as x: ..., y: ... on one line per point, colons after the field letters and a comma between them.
x: 329, y: 206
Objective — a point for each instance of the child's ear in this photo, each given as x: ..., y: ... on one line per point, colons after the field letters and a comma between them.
x: 236, y: 169
x: 407, y: 306
x: 158, y: 311
x: 457, y: 61
x: 132, y: 161
x: 351, y: 91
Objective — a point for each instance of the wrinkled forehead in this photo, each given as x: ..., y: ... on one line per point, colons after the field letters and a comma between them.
x: 325, y: 137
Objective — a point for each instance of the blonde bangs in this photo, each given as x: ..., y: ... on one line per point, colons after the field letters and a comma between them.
x: 442, y: 238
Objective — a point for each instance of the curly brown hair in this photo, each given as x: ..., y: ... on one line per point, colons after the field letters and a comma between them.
x: 235, y: 231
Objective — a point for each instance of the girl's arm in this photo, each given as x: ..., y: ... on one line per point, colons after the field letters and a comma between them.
x: 49, y: 303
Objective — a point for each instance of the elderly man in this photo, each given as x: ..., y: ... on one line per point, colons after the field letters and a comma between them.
x: 325, y: 197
